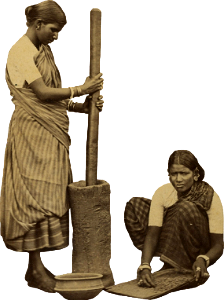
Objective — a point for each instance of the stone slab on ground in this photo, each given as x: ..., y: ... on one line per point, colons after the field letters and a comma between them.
x: 167, y: 281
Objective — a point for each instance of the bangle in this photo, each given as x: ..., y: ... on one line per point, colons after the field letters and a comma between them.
x: 71, y: 105
x: 145, y: 263
x: 206, y: 259
x: 142, y: 267
x: 72, y: 93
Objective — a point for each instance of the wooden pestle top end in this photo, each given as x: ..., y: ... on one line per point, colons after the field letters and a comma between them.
x: 95, y: 9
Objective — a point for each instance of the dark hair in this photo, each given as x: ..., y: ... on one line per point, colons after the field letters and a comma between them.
x: 187, y: 159
x: 49, y: 11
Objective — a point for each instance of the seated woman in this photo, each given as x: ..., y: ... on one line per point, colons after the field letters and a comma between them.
x: 185, y: 224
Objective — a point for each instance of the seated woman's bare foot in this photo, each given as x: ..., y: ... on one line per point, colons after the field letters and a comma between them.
x: 28, y: 276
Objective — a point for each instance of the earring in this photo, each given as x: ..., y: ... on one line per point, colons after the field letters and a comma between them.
x: 196, y: 178
x: 38, y: 27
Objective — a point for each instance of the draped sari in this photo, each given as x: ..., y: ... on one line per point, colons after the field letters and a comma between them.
x: 185, y: 230
x: 33, y: 207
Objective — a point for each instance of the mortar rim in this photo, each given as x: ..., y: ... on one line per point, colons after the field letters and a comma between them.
x: 92, y: 276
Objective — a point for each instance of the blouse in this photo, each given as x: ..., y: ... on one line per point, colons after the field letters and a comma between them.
x: 20, y: 63
x: 166, y: 196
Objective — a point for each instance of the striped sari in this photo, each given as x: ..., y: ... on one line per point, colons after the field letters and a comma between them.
x: 185, y: 230
x: 34, y: 206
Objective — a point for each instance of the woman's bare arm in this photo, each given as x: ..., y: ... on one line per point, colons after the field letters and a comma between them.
x: 215, y: 252
x: 216, y: 249
x: 149, y: 248
x: 150, y: 243
x: 44, y: 92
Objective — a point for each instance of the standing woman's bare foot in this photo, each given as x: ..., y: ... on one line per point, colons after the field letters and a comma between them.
x: 37, y: 275
x: 42, y: 281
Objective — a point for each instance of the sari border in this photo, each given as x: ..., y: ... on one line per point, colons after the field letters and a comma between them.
x: 163, y: 258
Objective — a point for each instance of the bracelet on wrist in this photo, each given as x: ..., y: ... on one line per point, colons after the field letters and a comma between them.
x: 72, y: 93
x: 143, y: 267
x: 206, y: 259
x: 71, y: 105
x: 75, y: 90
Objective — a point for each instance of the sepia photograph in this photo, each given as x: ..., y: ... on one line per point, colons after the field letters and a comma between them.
x: 111, y: 150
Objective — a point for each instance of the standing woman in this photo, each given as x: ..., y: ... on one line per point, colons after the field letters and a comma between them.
x: 33, y: 207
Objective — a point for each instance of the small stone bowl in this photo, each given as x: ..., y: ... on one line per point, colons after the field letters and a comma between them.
x: 79, y: 286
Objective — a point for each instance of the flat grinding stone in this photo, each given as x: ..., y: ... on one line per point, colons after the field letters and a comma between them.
x: 166, y: 281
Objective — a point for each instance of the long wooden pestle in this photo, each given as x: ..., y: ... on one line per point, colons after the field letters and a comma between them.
x: 93, y: 118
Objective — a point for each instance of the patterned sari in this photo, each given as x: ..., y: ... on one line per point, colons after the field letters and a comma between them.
x: 33, y: 207
x: 185, y: 230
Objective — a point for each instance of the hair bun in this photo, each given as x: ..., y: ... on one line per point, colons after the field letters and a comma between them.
x: 28, y: 10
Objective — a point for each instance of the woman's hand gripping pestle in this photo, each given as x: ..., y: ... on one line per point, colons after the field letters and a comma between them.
x: 92, y: 85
